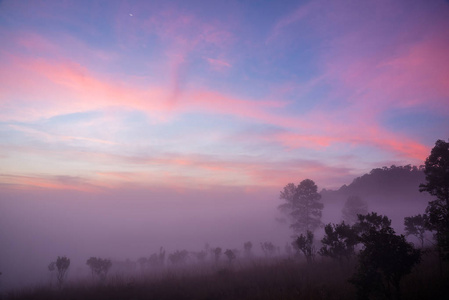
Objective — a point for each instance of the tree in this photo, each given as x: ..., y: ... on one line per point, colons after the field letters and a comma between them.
x: 217, y: 254
x: 436, y: 169
x: 200, y: 256
x: 417, y: 226
x: 268, y: 249
x: 61, y: 265
x: 384, y: 259
x: 178, y: 257
x: 304, y: 243
x: 339, y: 241
x: 156, y: 260
x: 143, y: 262
x: 354, y: 206
x: 230, y: 255
x: 437, y: 184
x: 248, y: 248
x: 371, y: 221
x: 51, y: 268
x: 302, y: 205
x: 100, y: 267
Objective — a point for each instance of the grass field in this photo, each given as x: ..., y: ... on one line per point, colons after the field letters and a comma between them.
x: 259, y: 279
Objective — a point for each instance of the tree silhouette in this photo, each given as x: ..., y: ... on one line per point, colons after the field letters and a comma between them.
x: 371, y: 221
x: 143, y: 262
x: 384, y: 259
x: 100, y: 267
x: 304, y: 243
x: 178, y: 257
x: 200, y: 255
x: 156, y: 260
x: 217, y: 254
x: 417, y: 226
x: 339, y: 241
x: 61, y: 265
x: 354, y: 206
x: 268, y: 249
x: 247, y: 247
x: 230, y: 255
x: 302, y: 206
x: 437, y: 184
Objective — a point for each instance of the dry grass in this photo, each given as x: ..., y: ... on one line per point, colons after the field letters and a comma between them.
x: 281, y: 279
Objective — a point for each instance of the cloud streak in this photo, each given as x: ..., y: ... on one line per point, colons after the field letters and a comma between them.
x: 324, y: 93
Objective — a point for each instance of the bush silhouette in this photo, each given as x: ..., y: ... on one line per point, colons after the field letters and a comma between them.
x: 384, y: 259
x: 99, y: 267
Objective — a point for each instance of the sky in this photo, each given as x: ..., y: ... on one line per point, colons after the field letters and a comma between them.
x: 97, y: 95
x: 130, y: 125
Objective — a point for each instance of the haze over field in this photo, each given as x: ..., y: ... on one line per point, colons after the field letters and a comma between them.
x: 130, y: 125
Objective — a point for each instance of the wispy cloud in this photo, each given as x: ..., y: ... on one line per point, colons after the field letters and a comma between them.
x: 291, y: 18
x: 47, y: 182
x: 42, y: 135
x: 217, y: 64
x: 326, y: 80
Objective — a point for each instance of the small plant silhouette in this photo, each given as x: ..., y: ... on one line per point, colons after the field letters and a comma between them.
x: 230, y: 255
x: 99, y: 267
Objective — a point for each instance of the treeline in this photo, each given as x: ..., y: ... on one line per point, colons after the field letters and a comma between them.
x: 385, y: 257
x: 386, y: 181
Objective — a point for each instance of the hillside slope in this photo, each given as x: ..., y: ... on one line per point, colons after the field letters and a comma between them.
x: 392, y: 191
x: 388, y: 182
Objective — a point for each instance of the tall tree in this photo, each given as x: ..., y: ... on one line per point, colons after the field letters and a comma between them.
x: 302, y: 205
x: 437, y: 185
x: 416, y: 226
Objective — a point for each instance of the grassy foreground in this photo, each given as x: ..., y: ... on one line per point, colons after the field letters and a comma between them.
x: 277, y: 279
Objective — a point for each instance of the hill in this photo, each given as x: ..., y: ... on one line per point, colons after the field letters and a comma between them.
x: 387, y: 182
x: 391, y: 191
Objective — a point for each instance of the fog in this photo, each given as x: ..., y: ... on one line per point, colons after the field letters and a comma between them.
x: 37, y: 226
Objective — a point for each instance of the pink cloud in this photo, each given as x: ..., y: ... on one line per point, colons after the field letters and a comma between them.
x: 87, y: 91
x: 294, y: 140
x: 402, y: 64
x: 47, y: 182
x: 167, y: 169
x: 55, y: 82
x: 56, y: 137
x: 371, y: 71
x: 217, y: 64
x: 35, y: 43
x: 65, y: 87
x: 368, y: 83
